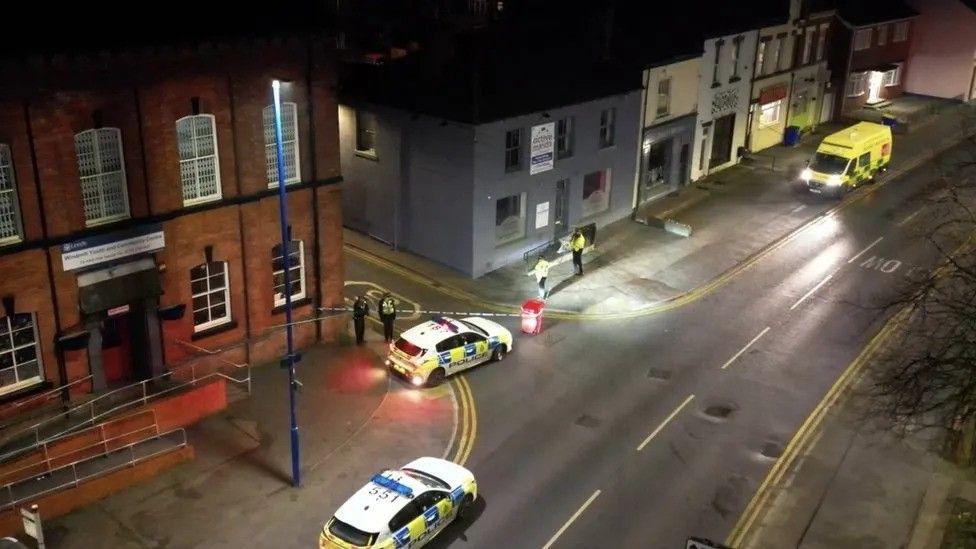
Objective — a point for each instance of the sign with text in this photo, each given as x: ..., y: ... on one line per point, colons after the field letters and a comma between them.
x: 542, y: 215
x: 107, y: 247
x: 542, y: 148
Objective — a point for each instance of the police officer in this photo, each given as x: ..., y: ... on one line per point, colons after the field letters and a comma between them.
x: 577, y: 243
x: 360, y: 310
x: 541, y: 272
x: 387, y: 311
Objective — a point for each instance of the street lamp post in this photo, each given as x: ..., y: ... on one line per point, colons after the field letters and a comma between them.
x: 290, y: 357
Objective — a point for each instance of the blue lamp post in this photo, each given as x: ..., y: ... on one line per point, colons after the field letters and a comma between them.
x: 290, y: 358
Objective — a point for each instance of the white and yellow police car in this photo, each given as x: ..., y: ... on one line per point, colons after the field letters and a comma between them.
x: 443, y: 346
x: 402, y: 508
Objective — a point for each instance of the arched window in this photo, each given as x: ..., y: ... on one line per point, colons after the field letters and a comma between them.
x: 199, y: 167
x: 102, y: 170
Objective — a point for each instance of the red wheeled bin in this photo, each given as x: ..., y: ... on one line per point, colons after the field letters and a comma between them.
x: 532, y: 315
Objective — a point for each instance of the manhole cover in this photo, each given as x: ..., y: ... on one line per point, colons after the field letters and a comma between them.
x: 588, y: 421
x: 720, y: 411
x: 771, y: 449
x: 659, y: 373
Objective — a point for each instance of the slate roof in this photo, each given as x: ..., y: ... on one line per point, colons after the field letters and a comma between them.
x: 860, y: 13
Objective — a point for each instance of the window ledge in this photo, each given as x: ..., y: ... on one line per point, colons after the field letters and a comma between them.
x: 294, y: 304
x: 715, y: 85
x: 214, y: 330
x: 734, y: 79
x: 368, y: 155
x: 11, y: 240
x: 38, y: 387
x: 198, y: 201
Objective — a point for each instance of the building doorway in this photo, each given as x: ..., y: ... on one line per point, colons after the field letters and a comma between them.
x: 827, y: 107
x: 684, y: 165
x: 125, y: 347
x: 722, y: 140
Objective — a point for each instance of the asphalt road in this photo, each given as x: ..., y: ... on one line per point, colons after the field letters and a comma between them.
x: 643, y: 432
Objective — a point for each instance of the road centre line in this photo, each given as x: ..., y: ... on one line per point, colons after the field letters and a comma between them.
x: 910, y: 217
x: 569, y: 522
x: 814, y: 289
x: 665, y: 423
x: 862, y: 252
x: 744, y: 349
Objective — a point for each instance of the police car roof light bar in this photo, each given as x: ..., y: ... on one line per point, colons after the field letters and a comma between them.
x: 392, y: 484
x: 445, y: 323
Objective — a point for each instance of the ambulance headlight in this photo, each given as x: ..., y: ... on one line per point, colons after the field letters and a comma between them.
x: 806, y: 174
x: 417, y: 381
x: 834, y: 180
x: 388, y: 362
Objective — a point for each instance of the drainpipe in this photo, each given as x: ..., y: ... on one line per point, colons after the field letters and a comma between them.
x: 640, y: 145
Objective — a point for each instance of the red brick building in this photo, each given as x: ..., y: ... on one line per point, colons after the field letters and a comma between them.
x: 871, y: 43
x: 139, y: 209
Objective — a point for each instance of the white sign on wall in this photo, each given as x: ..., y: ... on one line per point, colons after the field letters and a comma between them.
x: 101, y: 248
x: 542, y: 215
x: 542, y: 148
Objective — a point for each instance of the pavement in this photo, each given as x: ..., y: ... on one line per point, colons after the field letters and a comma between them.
x: 735, y: 214
x: 353, y: 421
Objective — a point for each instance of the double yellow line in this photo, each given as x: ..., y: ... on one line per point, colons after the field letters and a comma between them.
x: 467, y: 422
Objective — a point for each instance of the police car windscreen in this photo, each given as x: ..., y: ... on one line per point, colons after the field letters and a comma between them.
x: 409, y: 348
x: 475, y: 328
x: 350, y: 534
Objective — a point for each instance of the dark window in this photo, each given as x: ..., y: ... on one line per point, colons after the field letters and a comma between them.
x: 296, y: 271
x: 475, y: 327
x: 366, y: 133
x: 409, y: 512
x: 350, y: 534
x: 864, y: 160
x: 450, y: 343
x: 828, y: 163
x: 513, y: 150
x: 19, y: 361
x: 429, y: 499
x: 472, y: 337
x: 564, y: 137
x: 608, y: 124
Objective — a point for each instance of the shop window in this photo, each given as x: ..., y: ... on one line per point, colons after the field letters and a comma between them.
x: 366, y: 133
x: 102, y: 171
x: 20, y: 360
x: 513, y: 150
x: 565, y: 135
x: 770, y: 114
x: 509, y: 218
x: 196, y: 139
x: 295, y: 263
x: 608, y: 127
x: 289, y: 144
x: 862, y: 39
x: 901, y: 32
x: 9, y: 208
x: 211, y: 295
x: 596, y: 192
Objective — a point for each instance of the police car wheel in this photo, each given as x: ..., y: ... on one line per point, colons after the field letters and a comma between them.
x: 464, y: 506
x: 435, y: 378
x: 499, y: 354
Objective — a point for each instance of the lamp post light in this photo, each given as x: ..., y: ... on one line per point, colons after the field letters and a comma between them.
x: 290, y: 357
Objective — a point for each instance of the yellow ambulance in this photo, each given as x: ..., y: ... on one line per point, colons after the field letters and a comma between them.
x: 849, y: 158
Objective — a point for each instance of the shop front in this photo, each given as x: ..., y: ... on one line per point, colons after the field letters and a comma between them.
x: 665, y: 158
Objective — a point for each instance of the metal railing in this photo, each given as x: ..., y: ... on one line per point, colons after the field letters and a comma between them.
x: 112, y: 402
x: 76, y: 478
x: 29, y: 402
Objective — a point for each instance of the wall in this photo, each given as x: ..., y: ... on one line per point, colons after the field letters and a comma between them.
x: 874, y: 56
x: 730, y: 96
x: 492, y: 181
x: 943, y: 51
x: 145, y: 96
x: 684, y: 90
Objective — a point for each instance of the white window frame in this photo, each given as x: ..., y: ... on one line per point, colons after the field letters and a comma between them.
x: 19, y: 384
x: 900, y: 34
x: 516, y: 235
x: 736, y: 50
x: 663, y: 107
x: 209, y: 291
x: 784, y: 60
x: 862, y: 39
x: 778, y: 106
x: 607, y: 191
x: 761, y: 56
x: 882, y: 34
x: 856, y: 84
x: 892, y: 77
x: 194, y: 160
x: 772, y: 56
x: 807, y: 44
x: 11, y: 230
x: 270, y: 152
x: 822, y: 41
x: 279, y: 298
x: 718, y: 61
x: 98, y: 177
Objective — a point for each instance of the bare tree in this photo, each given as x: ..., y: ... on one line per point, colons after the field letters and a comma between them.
x: 925, y: 376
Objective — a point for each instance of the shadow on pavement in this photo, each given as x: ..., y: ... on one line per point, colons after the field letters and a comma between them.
x: 456, y: 530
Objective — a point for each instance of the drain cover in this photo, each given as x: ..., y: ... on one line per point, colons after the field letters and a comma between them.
x: 659, y: 373
x: 588, y: 421
x: 771, y: 449
x: 720, y: 411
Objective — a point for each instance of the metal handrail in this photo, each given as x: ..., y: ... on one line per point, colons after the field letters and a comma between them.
x: 76, y: 480
x: 102, y: 442
x: 48, y: 394
x: 145, y: 397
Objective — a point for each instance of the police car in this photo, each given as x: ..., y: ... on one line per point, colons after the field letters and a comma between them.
x: 440, y: 347
x: 402, y: 508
